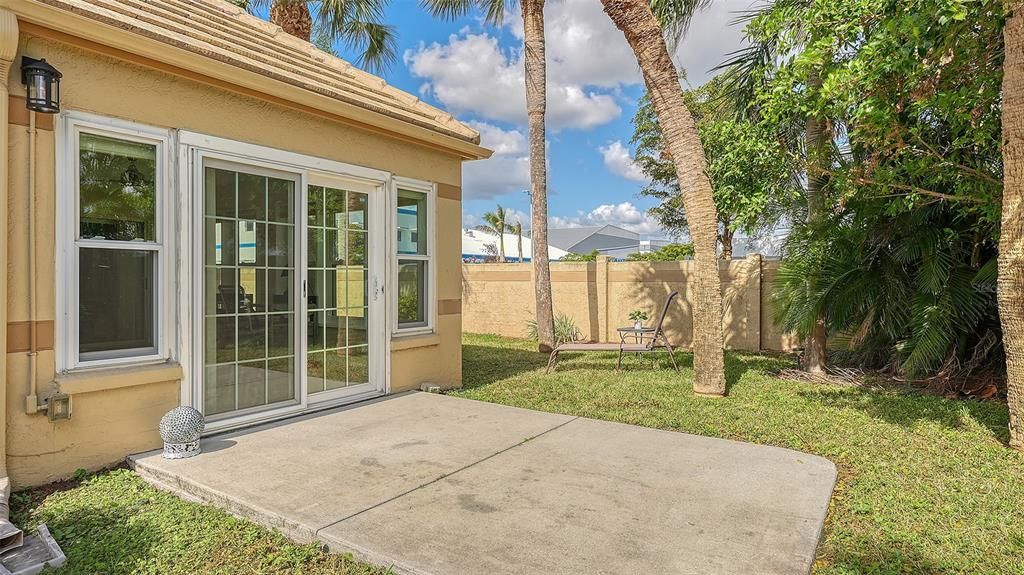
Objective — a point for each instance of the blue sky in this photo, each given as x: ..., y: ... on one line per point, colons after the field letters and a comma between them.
x: 473, y: 70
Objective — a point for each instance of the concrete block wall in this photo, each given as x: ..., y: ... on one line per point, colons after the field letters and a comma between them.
x: 499, y: 299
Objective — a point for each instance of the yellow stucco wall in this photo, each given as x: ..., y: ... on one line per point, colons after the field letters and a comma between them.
x: 109, y: 424
x: 598, y: 296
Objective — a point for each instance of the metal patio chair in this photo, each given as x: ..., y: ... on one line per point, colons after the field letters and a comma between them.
x: 656, y: 340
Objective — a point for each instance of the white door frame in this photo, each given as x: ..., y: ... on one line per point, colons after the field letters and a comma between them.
x: 193, y: 149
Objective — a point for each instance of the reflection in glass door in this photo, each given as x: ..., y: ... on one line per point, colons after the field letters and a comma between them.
x: 337, y: 343
x: 249, y: 304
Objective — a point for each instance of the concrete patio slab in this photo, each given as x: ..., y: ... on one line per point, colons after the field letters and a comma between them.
x: 438, y: 485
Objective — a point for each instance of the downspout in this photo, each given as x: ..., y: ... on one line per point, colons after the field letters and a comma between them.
x: 31, y: 400
x: 10, y: 536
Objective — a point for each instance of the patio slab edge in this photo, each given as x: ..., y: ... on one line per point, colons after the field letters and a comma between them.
x: 196, y: 493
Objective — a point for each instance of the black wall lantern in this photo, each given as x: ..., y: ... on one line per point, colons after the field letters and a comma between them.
x: 43, y: 83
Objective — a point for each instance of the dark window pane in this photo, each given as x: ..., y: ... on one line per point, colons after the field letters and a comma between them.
x: 219, y: 389
x: 221, y: 246
x: 116, y: 302
x: 220, y: 339
x: 412, y: 309
x: 315, y: 288
x: 315, y: 256
x: 335, y: 203
x: 252, y: 295
x: 315, y: 206
x: 252, y: 337
x: 252, y: 243
x: 315, y: 371
x: 252, y: 197
x: 279, y: 246
x: 334, y: 369
x: 280, y: 380
x: 412, y: 222
x: 281, y: 200
x: 279, y: 290
x: 117, y: 189
x: 252, y: 384
x: 316, y: 330
x: 358, y: 365
x: 221, y: 291
x: 356, y: 211
x: 220, y: 193
x: 280, y: 340
x: 356, y: 249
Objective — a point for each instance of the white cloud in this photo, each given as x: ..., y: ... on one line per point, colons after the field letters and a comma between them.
x: 625, y: 215
x: 587, y: 61
x: 507, y: 171
x: 711, y: 37
x: 619, y: 162
x: 583, y: 46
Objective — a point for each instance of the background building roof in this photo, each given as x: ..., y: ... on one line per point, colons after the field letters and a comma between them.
x: 475, y: 242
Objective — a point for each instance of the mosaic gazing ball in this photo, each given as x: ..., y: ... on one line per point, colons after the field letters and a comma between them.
x: 182, y: 425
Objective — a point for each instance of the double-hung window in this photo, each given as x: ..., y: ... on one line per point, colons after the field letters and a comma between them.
x: 414, y: 218
x: 113, y: 187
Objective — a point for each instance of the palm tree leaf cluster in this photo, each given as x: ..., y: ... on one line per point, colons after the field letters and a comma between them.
x: 358, y: 24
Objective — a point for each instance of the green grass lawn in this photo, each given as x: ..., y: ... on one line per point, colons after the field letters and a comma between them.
x: 115, y: 522
x: 926, y: 484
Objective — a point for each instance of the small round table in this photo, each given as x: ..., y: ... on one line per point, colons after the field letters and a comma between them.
x: 637, y: 333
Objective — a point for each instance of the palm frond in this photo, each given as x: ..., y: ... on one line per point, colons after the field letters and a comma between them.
x: 359, y: 25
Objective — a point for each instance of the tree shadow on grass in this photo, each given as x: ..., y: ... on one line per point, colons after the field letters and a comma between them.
x: 483, y: 364
x: 907, y: 408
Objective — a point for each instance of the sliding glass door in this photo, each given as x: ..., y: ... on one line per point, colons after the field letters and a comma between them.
x: 249, y: 293
x: 289, y: 305
x: 338, y: 280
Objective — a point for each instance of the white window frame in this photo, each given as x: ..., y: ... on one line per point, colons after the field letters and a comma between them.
x: 430, y: 191
x: 69, y: 126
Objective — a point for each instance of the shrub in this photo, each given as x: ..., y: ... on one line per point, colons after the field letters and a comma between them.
x: 565, y: 329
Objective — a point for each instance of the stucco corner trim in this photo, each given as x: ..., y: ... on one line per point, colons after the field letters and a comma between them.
x: 91, y: 380
x: 449, y: 192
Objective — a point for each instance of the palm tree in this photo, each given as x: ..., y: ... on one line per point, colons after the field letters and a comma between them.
x: 743, y: 71
x: 1011, y: 236
x: 536, y: 110
x: 496, y: 224
x: 517, y: 229
x: 644, y: 32
x: 357, y: 23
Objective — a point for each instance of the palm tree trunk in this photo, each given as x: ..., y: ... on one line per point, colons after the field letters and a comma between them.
x: 644, y: 34
x: 293, y: 17
x: 536, y: 105
x: 726, y: 240
x: 1011, y: 236
x: 815, y: 140
x: 501, y: 245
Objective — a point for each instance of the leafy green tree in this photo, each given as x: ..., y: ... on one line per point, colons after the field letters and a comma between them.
x: 669, y: 253
x: 898, y: 261
x: 571, y: 257
x: 751, y: 172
